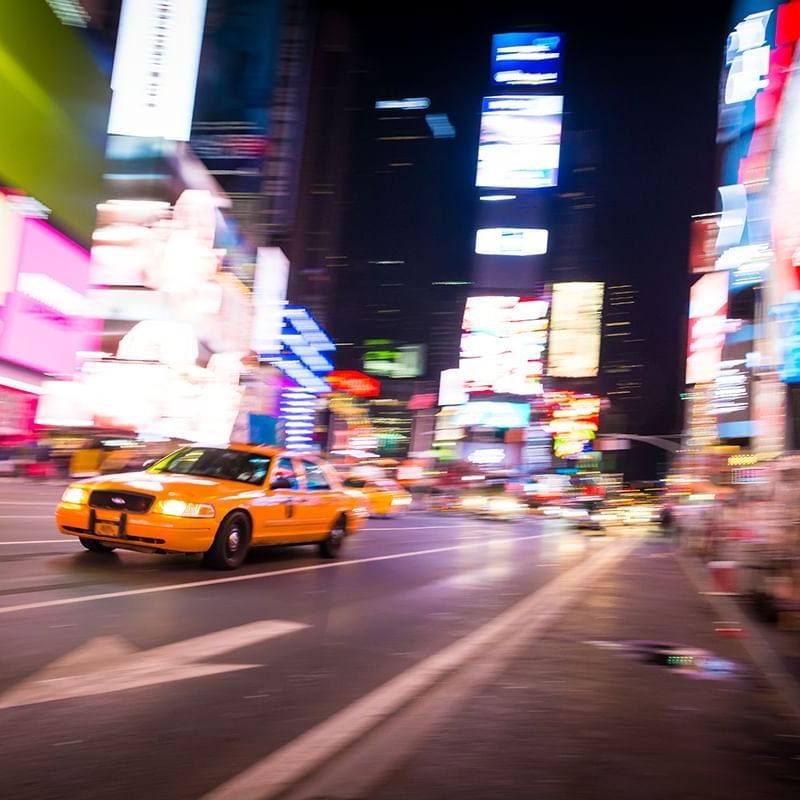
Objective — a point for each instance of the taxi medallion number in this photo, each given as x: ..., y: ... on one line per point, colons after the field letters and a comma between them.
x: 106, y: 528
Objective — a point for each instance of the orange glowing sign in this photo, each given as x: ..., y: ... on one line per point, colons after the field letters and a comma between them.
x: 353, y: 383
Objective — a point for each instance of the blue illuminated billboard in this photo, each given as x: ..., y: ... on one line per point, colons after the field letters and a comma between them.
x: 520, y: 142
x: 526, y: 59
x: 493, y: 414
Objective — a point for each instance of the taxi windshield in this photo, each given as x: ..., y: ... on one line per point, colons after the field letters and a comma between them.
x: 216, y: 462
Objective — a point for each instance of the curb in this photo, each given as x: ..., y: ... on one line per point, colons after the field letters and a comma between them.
x: 760, y: 651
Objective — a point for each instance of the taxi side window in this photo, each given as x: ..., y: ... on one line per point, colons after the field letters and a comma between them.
x: 315, y: 477
x: 285, y: 469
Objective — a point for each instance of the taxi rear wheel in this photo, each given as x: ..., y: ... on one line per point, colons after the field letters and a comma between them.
x: 230, y: 544
x: 331, y: 545
x: 93, y: 546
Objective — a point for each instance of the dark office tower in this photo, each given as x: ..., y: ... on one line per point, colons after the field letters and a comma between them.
x: 410, y: 200
x: 622, y: 367
x: 312, y: 237
x: 575, y: 245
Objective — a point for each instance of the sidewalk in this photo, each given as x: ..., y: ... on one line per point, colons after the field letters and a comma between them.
x: 579, y: 715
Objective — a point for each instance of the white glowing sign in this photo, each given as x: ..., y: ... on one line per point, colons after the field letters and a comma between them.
x: 747, y: 56
x: 491, y: 456
x: 451, y: 388
x: 574, y: 350
x: 520, y: 142
x: 502, y: 345
x: 164, y: 341
x: 269, y: 298
x: 406, y: 104
x: 155, y: 68
x: 52, y: 293
x: 511, y: 241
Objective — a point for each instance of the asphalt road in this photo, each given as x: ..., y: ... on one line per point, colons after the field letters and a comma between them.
x: 163, y: 679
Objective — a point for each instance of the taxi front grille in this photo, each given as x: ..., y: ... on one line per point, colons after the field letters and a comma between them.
x: 131, y: 502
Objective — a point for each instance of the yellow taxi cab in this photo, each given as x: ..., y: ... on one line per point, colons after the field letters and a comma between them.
x: 383, y: 495
x: 218, y: 501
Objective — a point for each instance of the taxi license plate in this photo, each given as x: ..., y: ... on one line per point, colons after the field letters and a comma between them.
x: 106, y: 528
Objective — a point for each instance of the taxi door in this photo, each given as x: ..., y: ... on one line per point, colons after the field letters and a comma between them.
x: 273, y: 512
x: 317, y: 509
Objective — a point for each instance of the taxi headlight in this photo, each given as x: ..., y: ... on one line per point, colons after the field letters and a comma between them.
x: 180, y: 508
x: 76, y: 495
x: 401, y: 501
x: 472, y: 502
x: 504, y: 505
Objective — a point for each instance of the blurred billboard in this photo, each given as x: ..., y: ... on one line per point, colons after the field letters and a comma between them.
x: 575, y: 320
x: 502, y: 344
x: 708, y: 307
x: 493, y: 414
x: 703, y: 243
x: 572, y: 420
x: 387, y: 359
x: 732, y: 393
x: 526, y: 59
x: 55, y: 107
x: 451, y: 388
x: 155, y: 68
x: 511, y: 241
x: 45, y: 322
x: 520, y: 141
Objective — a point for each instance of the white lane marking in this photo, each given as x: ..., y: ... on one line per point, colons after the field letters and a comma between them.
x: 109, y: 664
x: 175, y: 587
x: 52, y: 503
x: 274, y: 774
x: 26, y: 516
x: 422, y: 528
x: 39, y: 541
x: 363, y: 530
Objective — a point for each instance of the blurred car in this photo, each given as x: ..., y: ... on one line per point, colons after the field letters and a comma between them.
x: 218, y: 501
x: 384, y: 496
x: 494, y: 506
x: 590, y: 515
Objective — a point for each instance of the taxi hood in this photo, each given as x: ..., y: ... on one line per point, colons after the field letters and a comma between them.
x: 163, y: 485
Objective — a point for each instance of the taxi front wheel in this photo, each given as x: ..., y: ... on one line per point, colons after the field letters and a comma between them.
x: 331, y: 545
x: 93, y: 546
x: 230, y: 544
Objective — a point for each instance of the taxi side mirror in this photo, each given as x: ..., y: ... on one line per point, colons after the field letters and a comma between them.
x: 281, y: 483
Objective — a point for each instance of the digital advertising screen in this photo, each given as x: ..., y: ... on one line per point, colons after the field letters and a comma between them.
x: 511, y: 241
x: 575, y: 318
x: 732, y: 393
x: 44, y: 320
x: 520, y: 142
x: 502, y: 345
x: 708, y: 308
x: 526, y: 59
x: 489, y: 414
x: 387, y: 359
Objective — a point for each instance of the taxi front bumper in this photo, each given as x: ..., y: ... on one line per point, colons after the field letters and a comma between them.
x: 151, y: 532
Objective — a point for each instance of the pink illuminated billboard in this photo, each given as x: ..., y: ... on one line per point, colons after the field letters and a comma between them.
x: 708, y: 309
x: 44, y: 319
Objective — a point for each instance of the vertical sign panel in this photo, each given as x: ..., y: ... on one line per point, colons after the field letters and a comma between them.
x: 155, y: 68
x: 575, y: 330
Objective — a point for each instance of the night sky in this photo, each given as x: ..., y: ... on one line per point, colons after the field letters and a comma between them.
x: 647, y: 83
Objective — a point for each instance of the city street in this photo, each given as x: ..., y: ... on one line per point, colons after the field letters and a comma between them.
x: 405, y: 589
x: 131, y: 675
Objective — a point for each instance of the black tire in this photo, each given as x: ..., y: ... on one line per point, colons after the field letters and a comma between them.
x: 331, y: 545
x: 93, y: 546
x: 231, y: 543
